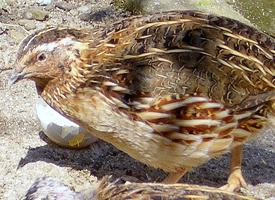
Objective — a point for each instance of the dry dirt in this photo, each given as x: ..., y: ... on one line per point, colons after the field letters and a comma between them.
x: 26, y: 154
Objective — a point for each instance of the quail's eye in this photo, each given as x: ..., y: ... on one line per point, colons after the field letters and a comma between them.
x: 41, y: 57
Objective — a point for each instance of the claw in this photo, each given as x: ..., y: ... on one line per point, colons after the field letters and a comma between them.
x: 235, y: 181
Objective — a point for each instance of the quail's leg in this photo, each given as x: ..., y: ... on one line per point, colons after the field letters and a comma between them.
x: 235, y: 180
x: 174, y: 177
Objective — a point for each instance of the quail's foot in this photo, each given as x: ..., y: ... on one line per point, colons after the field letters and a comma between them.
x: 235, y: 181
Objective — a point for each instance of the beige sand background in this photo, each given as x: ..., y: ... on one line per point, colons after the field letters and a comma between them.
x: 25, y: 152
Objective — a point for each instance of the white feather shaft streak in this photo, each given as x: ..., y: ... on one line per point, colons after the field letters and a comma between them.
x: 138, y: 56
x: 222, y: 114
x: 144, y: 37
x: 120, y: 89
x: 109, y: 45
x: 109, y: 84
x: 141, y: 106
x: 180, y: 21
x: 268, y: 70
x: 172, y: 106
x: 180, y: 136
x: 264, y: 52
x: 209, y: 105
x: 164, y: 60
x: 225, y: 63
x: 153, y: 115
x: 122, y: 71
x: 155, y: 51
x: 242, y: 116
x: 164, y: 127
x: 146, y: 100
x: 240, y: 133
x: 197, y: 122
x: 195, y: 100
x: 119, y: 103
x: 179, y: 104
x: 226, y: 127
x: 240, y: 37
x: 268, y: 82
x: 234, y: 52
x: 185, y: 47
x: 248, y: 80
x: 260, y: 67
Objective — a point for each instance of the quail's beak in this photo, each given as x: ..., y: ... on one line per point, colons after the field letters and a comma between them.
x: 15, y: 77
x: 17, y: 74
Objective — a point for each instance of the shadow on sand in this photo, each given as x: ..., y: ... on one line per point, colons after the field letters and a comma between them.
x: 103, y: 159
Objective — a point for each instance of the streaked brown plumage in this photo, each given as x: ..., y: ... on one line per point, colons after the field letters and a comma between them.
x: 172, y: 90
x: 48, y: 188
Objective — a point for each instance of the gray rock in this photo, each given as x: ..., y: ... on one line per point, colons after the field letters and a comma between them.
x: 74, y: 12
x: 17, y: 35
x: 85, y: 9
x: 44, y: 2
x: 28, y: 24
x: 37, y: 14
x: 85, y: 17
x: 41, y: 25
x: 64, y: 5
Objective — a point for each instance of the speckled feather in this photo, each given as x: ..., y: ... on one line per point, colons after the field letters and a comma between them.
x: 48, y: 188
x: 172, y: 89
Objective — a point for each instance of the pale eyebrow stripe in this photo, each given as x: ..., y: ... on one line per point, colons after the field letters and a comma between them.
x: 51, y: 46
x: 38, y: 34
x: 47, y: 47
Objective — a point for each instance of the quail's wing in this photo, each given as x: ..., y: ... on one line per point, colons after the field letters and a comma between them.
x: 190, y: 52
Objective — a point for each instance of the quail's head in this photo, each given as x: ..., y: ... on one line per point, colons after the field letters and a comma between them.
x: 46, y: 55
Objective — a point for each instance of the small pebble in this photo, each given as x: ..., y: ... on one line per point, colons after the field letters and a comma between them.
x: 28, y: 24
x: 64, y: 6
x: 37, y: 14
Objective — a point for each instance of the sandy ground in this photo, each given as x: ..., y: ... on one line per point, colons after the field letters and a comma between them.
x: 26, y: 154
